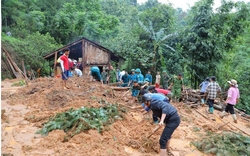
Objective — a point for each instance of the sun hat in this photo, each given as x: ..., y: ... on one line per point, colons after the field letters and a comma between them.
x: 164, y: 71
x: 132, y: 70
x: 233, y: 82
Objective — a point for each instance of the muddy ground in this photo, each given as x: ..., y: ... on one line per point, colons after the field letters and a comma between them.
x: 26, y: 109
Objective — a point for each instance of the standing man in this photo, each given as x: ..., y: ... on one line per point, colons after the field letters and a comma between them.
x: 64, y: 62
x: 95, y: 74
x: 112, y: 75
x: 149, y: 76
x: 117, y: 75
x: 133, y: 77
x: 158, y: 80
x: 122, y: 73
x: 233, y: 96
x: 104, y: 76
x: 203, y: 87
x: 165, y: 79
x: 168, y: 115
x: 211, y: 91
x: 139, y: 76
x: 177, y: 84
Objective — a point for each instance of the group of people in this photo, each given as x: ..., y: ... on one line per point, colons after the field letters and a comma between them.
x: 210, y: 89
x: 151, y: 97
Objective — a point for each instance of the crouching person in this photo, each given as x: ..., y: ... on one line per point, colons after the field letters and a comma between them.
x: 168, y: 115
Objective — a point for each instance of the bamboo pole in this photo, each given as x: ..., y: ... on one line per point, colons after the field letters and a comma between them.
x: 26, y: 79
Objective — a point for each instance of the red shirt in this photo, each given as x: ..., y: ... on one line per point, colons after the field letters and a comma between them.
x: 163, y: 91
x: 71, y: 64
x: 65, y: 60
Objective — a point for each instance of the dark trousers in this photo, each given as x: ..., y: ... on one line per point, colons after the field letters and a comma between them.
x: 229, y: 108
x: 171, y: 124
x: 210, y: 103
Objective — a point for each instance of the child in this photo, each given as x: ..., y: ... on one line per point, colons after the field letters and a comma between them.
x: 149, y: 76
x: 158, y: 80
x: 64, y: 62
x: 232, y: 99
x: 168, y: 115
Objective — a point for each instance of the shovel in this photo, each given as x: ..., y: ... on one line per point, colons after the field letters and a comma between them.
x: 156, y: 128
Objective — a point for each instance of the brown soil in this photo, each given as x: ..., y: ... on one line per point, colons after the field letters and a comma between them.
x: 28, y: 108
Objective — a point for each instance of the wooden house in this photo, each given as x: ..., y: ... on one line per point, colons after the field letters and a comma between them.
x: 88, y: 53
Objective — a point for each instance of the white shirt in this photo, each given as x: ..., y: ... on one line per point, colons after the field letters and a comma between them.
x: 121, y: 74
x: 78, y: 72
x: 158, y: 79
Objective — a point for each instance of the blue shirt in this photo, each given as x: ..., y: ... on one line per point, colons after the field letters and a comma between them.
x: 118, y: 73
x: 140, y: 77
x: 157, y: 96
x: 95, y: 72
x: 149, y: 76
x: 133, y: 77
x: 125, y: 78
x: 203, y: 86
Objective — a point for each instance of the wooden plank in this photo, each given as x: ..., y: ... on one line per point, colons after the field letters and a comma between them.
x: 83, y: 58
x: 55, y: 64
x: 26, y: 79
x: 120, y: 88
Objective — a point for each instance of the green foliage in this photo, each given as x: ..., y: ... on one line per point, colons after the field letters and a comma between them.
x: 31, y: 49
x: 19, y: 83
x: 224, y: 144
x: 75, y: 121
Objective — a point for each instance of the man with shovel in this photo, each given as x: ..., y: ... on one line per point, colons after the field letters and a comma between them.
x: 168, y: 115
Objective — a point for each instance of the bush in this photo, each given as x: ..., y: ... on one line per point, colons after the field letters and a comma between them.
x: 230, y: 144
x: 74, y: 121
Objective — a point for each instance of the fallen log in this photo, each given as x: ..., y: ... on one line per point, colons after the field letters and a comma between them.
x: 223, y: 125
x: 115, y: 84
x: 120, y: 88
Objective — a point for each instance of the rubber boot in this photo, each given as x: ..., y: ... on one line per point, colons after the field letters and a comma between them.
x: 211, y: 110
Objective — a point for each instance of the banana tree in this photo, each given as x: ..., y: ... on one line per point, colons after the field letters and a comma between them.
x: 157, y: 39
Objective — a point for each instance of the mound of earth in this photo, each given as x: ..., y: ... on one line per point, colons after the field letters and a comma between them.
x: 30, y: 107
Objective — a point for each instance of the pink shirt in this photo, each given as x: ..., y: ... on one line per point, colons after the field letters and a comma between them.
x: 234, y: 94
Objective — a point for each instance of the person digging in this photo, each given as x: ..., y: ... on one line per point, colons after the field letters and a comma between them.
x: 168, y: 115
x: 232, y: 99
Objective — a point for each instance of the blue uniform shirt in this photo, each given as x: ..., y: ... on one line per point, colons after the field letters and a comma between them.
x: 149, y: 76
x: 95, y: 72
x: 125, y: 78
x: 140, y: 77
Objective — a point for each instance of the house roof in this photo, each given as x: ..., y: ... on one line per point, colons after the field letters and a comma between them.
x: 50, y: 55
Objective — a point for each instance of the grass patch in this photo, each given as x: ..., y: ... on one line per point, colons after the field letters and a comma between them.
x: 18, y: 83
x: 225, y: 143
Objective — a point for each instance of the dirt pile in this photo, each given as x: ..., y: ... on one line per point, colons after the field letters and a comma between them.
x: 45, y: 97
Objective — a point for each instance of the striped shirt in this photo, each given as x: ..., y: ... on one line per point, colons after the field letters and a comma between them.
x: 212, y: 90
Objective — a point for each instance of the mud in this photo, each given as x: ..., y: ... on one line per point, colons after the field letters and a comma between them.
x: 28, y: 108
